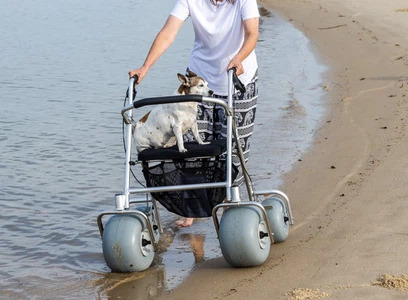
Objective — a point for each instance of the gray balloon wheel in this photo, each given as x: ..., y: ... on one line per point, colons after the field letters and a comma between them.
x: 243, y: 237
x: 126, y: 244
x: 278, y: 218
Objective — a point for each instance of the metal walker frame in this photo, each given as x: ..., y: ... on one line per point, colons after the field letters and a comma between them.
x: 122, y: 201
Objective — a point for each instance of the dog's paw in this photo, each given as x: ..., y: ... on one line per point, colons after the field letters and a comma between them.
x: 183, y: 150
x: 204, y: 143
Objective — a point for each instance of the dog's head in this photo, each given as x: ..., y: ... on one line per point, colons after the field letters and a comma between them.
x: 191, y: 84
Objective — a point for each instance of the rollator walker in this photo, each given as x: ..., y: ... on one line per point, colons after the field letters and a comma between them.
x: 197, y: 183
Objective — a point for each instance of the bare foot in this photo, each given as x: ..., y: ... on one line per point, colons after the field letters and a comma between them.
x: 185, y: 222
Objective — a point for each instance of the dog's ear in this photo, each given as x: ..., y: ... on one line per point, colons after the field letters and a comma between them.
x: 184, y: 79
x: 191, y: 74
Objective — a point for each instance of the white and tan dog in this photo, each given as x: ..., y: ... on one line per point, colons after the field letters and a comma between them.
x: 166, y: 124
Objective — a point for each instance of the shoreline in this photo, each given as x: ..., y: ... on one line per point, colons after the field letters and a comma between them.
x: 347, y: 192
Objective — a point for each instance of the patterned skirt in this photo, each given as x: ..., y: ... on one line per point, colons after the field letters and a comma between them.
x: 212, y: 122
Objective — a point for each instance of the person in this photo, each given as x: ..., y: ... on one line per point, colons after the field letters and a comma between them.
x: 226, y: 34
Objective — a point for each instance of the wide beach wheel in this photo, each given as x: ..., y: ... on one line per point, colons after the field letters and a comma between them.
x: 278, y: 218
x: 127, y: 244
x: 243, y: 236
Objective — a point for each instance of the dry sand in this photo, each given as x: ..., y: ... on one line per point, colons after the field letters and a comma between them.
x: 351, y: 221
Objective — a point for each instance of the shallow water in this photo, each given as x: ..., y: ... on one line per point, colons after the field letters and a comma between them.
x: 63, y: 77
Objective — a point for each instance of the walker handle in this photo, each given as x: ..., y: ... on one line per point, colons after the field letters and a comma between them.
x: 167, y: 100
x: 132, y: 86
x: 237, y: 83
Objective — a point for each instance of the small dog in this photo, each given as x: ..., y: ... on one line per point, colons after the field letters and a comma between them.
x: 165, y: 125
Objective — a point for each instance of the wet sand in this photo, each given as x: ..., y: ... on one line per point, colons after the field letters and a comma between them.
x: 349, y: 192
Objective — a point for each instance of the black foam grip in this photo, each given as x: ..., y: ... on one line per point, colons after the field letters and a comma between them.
x: 136, y: 77
x: 167, y: 100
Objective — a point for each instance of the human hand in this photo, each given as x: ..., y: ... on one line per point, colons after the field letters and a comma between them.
x: 236, y: 63
x: 141, y: 73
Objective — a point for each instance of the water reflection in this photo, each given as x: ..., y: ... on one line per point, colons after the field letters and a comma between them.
x: 197, y: 245
x: 143, y: 285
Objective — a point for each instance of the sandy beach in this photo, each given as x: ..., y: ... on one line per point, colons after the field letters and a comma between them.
x: 349, y: 193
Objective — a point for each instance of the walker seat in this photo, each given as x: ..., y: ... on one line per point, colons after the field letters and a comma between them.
x: 194, y: 150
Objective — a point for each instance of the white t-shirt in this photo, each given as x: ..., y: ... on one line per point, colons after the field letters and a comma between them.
x: 219, y: 35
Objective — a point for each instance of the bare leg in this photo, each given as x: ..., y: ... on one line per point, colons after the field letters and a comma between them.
x: 185, y: 222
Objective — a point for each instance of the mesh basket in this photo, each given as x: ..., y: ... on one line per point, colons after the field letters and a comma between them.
x: 188, y: 203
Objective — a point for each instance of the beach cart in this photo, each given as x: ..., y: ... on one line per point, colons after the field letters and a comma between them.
x: 197, y: 183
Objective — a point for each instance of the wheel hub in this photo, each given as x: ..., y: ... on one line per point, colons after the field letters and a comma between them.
x: 145, y: 243
x: 263, y: 236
